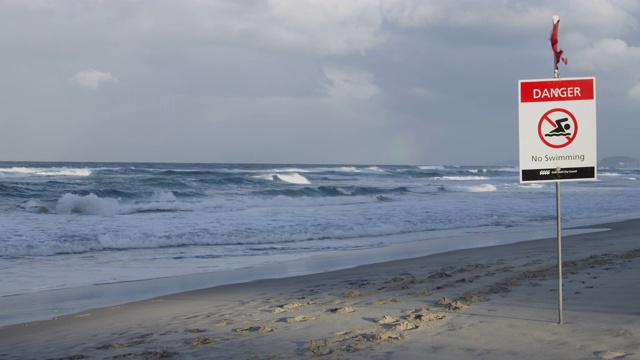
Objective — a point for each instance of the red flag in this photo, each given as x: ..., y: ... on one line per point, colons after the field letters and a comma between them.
x: 554, y: 42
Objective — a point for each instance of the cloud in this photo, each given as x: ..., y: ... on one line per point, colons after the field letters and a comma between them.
x: 594, y: 19
x: 634, y: 93
x: 603, y: 18
x: 354, y: 84
x: 328, y: 27
x: 92, y: 79
x: 465, y: 13
x: 608, y: 55
x: 616, y: 59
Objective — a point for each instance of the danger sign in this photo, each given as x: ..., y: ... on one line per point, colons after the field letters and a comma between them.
x: 557, y: 128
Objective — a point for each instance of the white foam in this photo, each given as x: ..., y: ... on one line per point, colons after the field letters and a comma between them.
x: 163, y: 196
x: 35, y: 205
x: 290, y: 170
x: 482, y: 188
x: 22, y: 171
x: 348, y: 169
x: 431, y: 167
x: 94, y: 205
x: 294, y: 178
x: 509, y: 169
x: 460, y: 178
x: 344, y: 191
x: 87, y: 205
x: 530, y: 186
x: 376, y: 169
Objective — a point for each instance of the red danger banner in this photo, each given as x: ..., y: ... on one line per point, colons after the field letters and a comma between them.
x: 557, y: 90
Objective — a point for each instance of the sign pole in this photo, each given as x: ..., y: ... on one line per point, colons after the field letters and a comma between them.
x: 557, y: 56
x: 559, y: 251
x: 556, y: 75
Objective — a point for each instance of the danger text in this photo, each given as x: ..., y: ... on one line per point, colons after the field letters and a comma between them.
x: 552, y: 93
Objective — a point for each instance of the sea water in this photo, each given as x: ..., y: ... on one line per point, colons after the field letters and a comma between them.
x: 68, y: 225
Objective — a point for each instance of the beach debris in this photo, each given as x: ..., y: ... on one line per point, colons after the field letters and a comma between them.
x: 470, y: 298
x: 195, y: 331
x: 445, y: 300
x: 268, y: 357
x: 162, y: 354
x: 342, y: 310
x: 258, y: 329
x: 386, y: 336
x: 498, y: 288
x: 202, y: 340
x: 297, y: 319
x: 423, y: 293
x: 289, y: 307
x: 385, y: 301
x: 120, y: 345
x: 359, y: 283
x: 418, y: 311
x: 624, y: 332
x: 439, y: 275
x: 224, y: 322
x: 353, y: 294
x: 425, y: 317
x: 456, y: 305
x: 386, y: 320
x: 610, y: 355
x: 350, y: 341
x: 404, y: 326
x: 319, y: 348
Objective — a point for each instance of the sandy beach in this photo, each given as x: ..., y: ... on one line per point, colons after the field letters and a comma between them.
x: 498, y: 302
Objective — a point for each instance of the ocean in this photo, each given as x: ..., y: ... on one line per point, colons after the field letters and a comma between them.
x: 70, y: 225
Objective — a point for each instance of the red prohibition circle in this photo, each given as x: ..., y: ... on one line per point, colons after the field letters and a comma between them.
x: 545, y: 119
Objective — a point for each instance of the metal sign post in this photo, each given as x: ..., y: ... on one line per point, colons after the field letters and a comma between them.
x: 556, y: 75
x: 557, y: 134
x: 559, y: 251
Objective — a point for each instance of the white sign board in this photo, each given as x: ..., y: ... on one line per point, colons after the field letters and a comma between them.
x: 557, y: 126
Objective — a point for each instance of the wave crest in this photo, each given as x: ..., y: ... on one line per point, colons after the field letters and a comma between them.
x: 26, y: 171
x: 88, y: 205
x: 482, y: 188
x: 293, y: 178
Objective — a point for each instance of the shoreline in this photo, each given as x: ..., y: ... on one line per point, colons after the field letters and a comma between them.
x: 53, y: 303
x: 488, y: 302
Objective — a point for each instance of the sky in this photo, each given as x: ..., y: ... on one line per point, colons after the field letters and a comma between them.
x: 295, y: 81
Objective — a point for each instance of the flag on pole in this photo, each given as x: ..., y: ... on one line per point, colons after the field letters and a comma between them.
x: 554, y: 43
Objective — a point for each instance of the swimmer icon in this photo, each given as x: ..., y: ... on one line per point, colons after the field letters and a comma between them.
x: 557, y: 128
x: 560, y: 130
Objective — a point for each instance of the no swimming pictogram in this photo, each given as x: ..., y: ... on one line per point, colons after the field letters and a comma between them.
x: 557, y: 128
